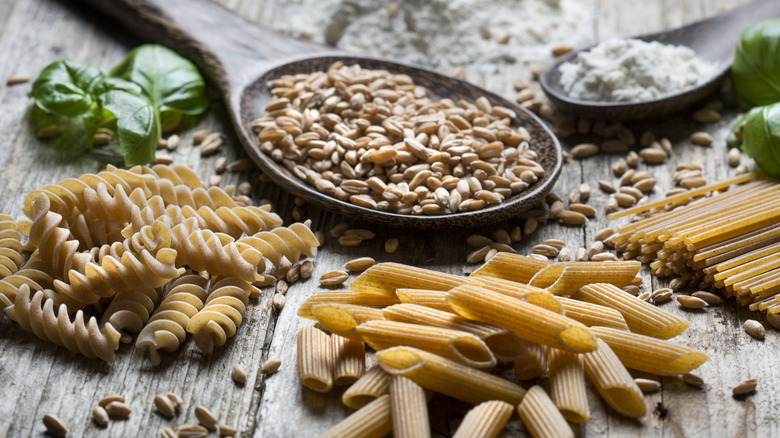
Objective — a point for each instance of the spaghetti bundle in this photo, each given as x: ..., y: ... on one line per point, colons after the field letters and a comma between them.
x: 727, y: 240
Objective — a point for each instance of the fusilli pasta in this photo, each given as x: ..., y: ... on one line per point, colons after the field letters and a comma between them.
x: 221, y: 315
x: 10, y: 246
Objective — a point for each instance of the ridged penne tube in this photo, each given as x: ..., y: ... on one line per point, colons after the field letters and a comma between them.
x: 349, y: 359
x: 533, y: 364
x: 565, y: 278
x: 455, y: 345
x: 592, y: 314
x: 567, y: 385
x: 645, y: 353
x: 385, y: 278
x: 541, y: 417
x: 525, y: 320
x: 435, y: 299
x: 613, y: 381
x: 343, y: 319
x: 344, y: 297
x: 534, y: 295
x: 370, y: 386
x: 409, y: 408
x: 505, y: 346
x: 448, y: 377
x: 641, y: 317
x: 484, y: 420
x: 511, y: 266
x: 373, y: 420
x: 315, y: 356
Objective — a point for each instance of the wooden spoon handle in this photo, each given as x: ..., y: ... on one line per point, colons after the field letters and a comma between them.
x: 230, y: 50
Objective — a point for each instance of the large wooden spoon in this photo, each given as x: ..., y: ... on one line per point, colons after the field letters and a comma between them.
x: 713, y: 39
x: 241, y: 57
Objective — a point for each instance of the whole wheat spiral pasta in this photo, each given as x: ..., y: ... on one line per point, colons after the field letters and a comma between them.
x: 222, y: 313
x: 10, y: 246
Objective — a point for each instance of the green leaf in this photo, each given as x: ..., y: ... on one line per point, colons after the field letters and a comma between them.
x: 67, y: 88
x: 756, y: 67
x: 168, y: 81
x: 761, y: 138
x: 137, y: 124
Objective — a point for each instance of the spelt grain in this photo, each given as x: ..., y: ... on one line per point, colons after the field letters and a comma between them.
x: 54, y: 425
x: 744, y: 387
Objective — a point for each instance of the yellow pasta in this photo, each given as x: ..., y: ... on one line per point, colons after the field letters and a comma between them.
x: 36, y: 274
x: 567, y: 385
x: 528, y: 322
x: 485, y: 420
x: 533, y: 364
x: 10, y: 246
x: 592, y: 314
x: 641, y: 317
x: 541, y: 417
x: 505, y: 346
x: 385, y: 278
x: 373, y: 420
x: 613, y: 382
x: 448, y: 377
x: 315, y: 359
x: 565, y: 278
x: 509, y: 266
x: 435, y: 299
x: 409, y: 408
x: 455, y: 345
x: 532, y: 294
x: 349, y: 359
x: 221, y: 314
x: 344, y: 297
x: 343, y: 319
x: 370, y: 386
x: 645, y: 353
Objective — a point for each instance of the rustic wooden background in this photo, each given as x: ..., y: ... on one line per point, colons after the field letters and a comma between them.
x: 38, y: 378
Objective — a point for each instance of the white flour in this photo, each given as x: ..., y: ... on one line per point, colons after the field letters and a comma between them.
x: 630, y: 70
x: 442, y: 33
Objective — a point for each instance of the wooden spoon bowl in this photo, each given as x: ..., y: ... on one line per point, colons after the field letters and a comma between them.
x: 241, y: 58
x: 713, y: 39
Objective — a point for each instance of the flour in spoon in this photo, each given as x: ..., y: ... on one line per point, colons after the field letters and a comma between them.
x: 631, y: 70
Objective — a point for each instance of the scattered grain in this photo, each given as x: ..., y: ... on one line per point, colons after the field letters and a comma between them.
x: 177, y: 401
x: 242, y: 165
x: 333, y: 278
x: 604, y: 257
x: 191, y: 431
x: 754, y: 329
x: 206, y: 418
x: 690, y: 302
x: 118, y: 409
x: 545, y: 250
x: 164, y: 406
x: 702, y: 139
x: 625, y: 200
x: 112, y: 398
x: 199, y: 136
x: 478, y: 240
x: 271, y: 366
x: 584, y: 209
x: 279, y: 300
x: 391, y: 245
x: 238, y: 374
x: 584, y: 191
x: 17, y: 79
x: 359, y: 264
x: 585, y: 150
x: 350, y: 240
x: 653, y: 155
x: 561, y: 50
x: 647, y: 386
x: 54, y: 426
x: 711, y: 298
x: 611, y: 205
x: 100, y: 416
x: 693, y: 380
x: 734, y: 157
x: 632, y: 289
x: 744, y: 387
x: 606, y: 186
x: 706, y: 115
x: 564, y: 255
x: 226, y: 430
x: 574, y: 218
x: 662, y: 295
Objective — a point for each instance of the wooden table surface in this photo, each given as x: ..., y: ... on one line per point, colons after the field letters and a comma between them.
x: 38, y: 378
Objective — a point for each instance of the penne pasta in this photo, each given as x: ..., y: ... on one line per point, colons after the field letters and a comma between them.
x: 349, y: 359
x: 409, y: 408
x: 435, y: 299
x: 456, y: 345
x: 613, y: 382
x: 509, y: 266
x: 534, y: 295
x: 505, y: 346
x: 567, y: 385
x: 541, y: 417
x: 315, y: 356
x: 484, y: 420
x: 592, y: 314
x: 343, y: 319
x: 344, y: 297
x: 385, y: 278
x: 565, y: 278
x: 645, y: 353
x: 640, y: 316
x: 370, y: 386
x: 528, y: 322
x: 373, y: 420
x: 533, y: 364
x: 448, y: 377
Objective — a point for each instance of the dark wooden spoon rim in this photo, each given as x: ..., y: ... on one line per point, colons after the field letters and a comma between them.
x: 254, y: 97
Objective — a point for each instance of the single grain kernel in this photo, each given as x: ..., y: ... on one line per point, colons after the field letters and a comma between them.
x: 106, y: 400
x: 278, y: 301
x: 619, y: 167
x: 478, y: 255
x: 227, y: 430
x: 754, y: 329
x: 359, y: 264
x: 647, y: 386
x: 744, y: 387
x: 624, y: 200
x: 199, y: 136
x: 391, y: 245
x: 333, y: 278
x: 238, y: 374
x: 734, y: 157
x: 645, y: 296
x: 706, y: 115
x: 478, y: 240
x: 662, y: 295
x: 604, y: 257
x: 584, y: 150
x: 606, y: 186
x: 206, y: 418
x: 581, y: 255
x: 54, y: 425
x: 164, y: 406
x: 574, y: 218
x: 632, y: 289
x: 177, y: 401
x: 545, y: 250
x: 711, y: 298
x: 653, y: 155
x: 271, y: 366
x: 693, y: 380
x: 350, y: 240
x: 603, y: 234
x: 690, y: 302
x: 585, y: 209
x: 118, y: 409
x: 100, y: 416
x: 595, y: 248
x: 191, y: 431
x: 564, y: 255
x: 584, y: 191
x: 702, y: 139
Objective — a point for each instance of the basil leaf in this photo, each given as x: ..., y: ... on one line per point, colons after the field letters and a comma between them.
x: 137, y: 124
x: 756, y: 67
x: 761, y: 138
x: 66, y: 88
x: 168, y: 81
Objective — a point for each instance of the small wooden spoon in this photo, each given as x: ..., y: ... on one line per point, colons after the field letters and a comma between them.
x: 713, y: 39
x: 242, y: 57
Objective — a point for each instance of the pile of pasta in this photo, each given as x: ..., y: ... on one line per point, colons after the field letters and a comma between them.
x: 101, y: 249
x: 726, y: 236
x: 439, y: 332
